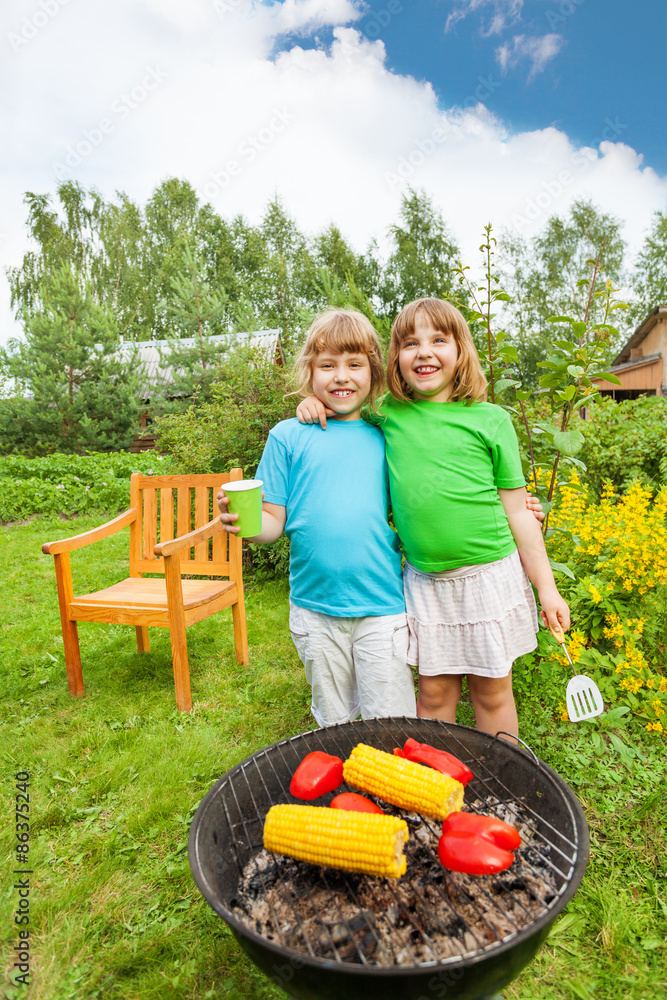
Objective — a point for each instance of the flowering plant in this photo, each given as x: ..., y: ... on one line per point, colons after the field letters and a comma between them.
x: 617, y: 548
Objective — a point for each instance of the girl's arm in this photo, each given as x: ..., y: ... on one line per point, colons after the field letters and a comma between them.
x: 273, y: 520
x: 312, y: 410
x: 528, y: 537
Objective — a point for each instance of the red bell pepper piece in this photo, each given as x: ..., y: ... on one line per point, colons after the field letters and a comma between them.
x: 490, y: 827
x: 354, y: 802
x: 468, y: 852
x: 398, y: 752
x: 446, y: 763
x: 317, y: 774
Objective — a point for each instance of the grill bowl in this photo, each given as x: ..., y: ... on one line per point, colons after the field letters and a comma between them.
x: 226, y: 833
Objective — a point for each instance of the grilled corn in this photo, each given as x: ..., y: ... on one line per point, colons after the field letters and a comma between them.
x: 403, y: 783
x: 354, y: 841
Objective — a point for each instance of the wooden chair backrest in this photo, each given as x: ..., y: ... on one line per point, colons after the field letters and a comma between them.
x: 172, y: 506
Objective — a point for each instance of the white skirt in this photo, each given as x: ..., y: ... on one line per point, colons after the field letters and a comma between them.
x: 470, y: 620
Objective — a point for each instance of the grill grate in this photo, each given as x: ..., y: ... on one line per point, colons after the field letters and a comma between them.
x: 263, y: 780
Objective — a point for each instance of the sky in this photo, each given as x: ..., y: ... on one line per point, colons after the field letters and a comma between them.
x: 503, y: 111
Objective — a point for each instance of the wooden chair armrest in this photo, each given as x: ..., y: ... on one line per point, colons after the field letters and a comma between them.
x: 192, y: 538
x: 94, y: 535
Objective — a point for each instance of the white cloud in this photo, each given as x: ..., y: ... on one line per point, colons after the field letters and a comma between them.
x: 537, y: 50
x: 295, y: 15
x: 502, y: 14
x: 334, y: 130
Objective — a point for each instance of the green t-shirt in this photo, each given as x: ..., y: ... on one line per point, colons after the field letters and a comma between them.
x: 446, y: 463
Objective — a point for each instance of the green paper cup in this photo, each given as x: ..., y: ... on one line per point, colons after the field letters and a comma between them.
x: 245, y: 499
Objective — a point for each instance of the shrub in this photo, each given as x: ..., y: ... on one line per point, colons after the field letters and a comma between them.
x: 248, y: 397
x: 617, y: 548
x: 71, y: 484
x: 625, y: 442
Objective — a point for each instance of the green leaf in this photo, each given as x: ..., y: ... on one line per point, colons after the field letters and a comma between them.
x: 624, y: 752
x: 567, y: 921
x: 575, y: 370
x: 550, y: 381
x: 569, y: 442
x: 578, y: 988
x: 570, y: 392
x: 561, y: 568
x: 510, y: 353
x: 587, y: 399
x: 504, y: 383
x: 608, y: 377
x: 614, y: 715
x: 560, y: 319
x: 648, y: 943
x: 502, y: 297
x: 579, y: 329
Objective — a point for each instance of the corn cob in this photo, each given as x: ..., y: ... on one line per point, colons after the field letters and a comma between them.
x: 403, y: 783
x: 354, y: 841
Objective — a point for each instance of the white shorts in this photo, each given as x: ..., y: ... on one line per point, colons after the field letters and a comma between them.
x: 354, y: 665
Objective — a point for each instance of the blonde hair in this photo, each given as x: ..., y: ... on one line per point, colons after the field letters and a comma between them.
x: 469, y: 382
x: 340, y: 331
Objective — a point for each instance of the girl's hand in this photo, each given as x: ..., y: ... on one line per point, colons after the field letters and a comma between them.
x: 535, y: 507
x: 312, y: 410
x: 227, y: 518
x: 554, y: 611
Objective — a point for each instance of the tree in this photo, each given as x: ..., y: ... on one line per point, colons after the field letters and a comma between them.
x: 285, y: 281
x: 562, y: 252
x: 73, y: 238
x: 421, y: 257
x: 330, y: 250
x: 198, y: 314
x: 82, y: 393
x: 649, y: 281
x: 544, y: 278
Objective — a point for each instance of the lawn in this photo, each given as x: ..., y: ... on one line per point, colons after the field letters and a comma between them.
x: 115, y: 778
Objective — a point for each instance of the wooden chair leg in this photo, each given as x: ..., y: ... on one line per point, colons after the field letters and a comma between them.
x: 70, y: 632
x: 240, y: 631
x: 179, y: 647
x: 179, y: 656
x: 143, y: 643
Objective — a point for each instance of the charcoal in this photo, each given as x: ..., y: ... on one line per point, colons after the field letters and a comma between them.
x: 429, y: 915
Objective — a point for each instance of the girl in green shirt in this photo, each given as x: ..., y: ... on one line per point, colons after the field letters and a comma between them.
x: 459, y: 503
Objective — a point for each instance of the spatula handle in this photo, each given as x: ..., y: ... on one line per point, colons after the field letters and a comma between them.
x: 559, y: 636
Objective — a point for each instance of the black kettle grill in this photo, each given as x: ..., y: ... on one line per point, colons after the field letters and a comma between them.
x: 226, y: 834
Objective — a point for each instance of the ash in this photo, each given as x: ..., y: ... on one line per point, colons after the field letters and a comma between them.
x: 428, y: 915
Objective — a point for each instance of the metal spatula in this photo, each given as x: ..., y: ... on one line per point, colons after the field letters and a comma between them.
x: 582, y: 697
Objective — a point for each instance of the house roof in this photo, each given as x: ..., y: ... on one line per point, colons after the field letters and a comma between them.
x: 648, y: 359
x: 153, y: 354
x: 640, y: 333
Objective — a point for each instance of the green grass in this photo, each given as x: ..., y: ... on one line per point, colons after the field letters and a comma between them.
x: 118, y: 774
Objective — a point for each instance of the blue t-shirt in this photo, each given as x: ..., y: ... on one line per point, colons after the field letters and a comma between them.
x: 345, y: 560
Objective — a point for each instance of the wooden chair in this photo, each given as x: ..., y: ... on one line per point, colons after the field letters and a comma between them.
x: 160, y: 518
